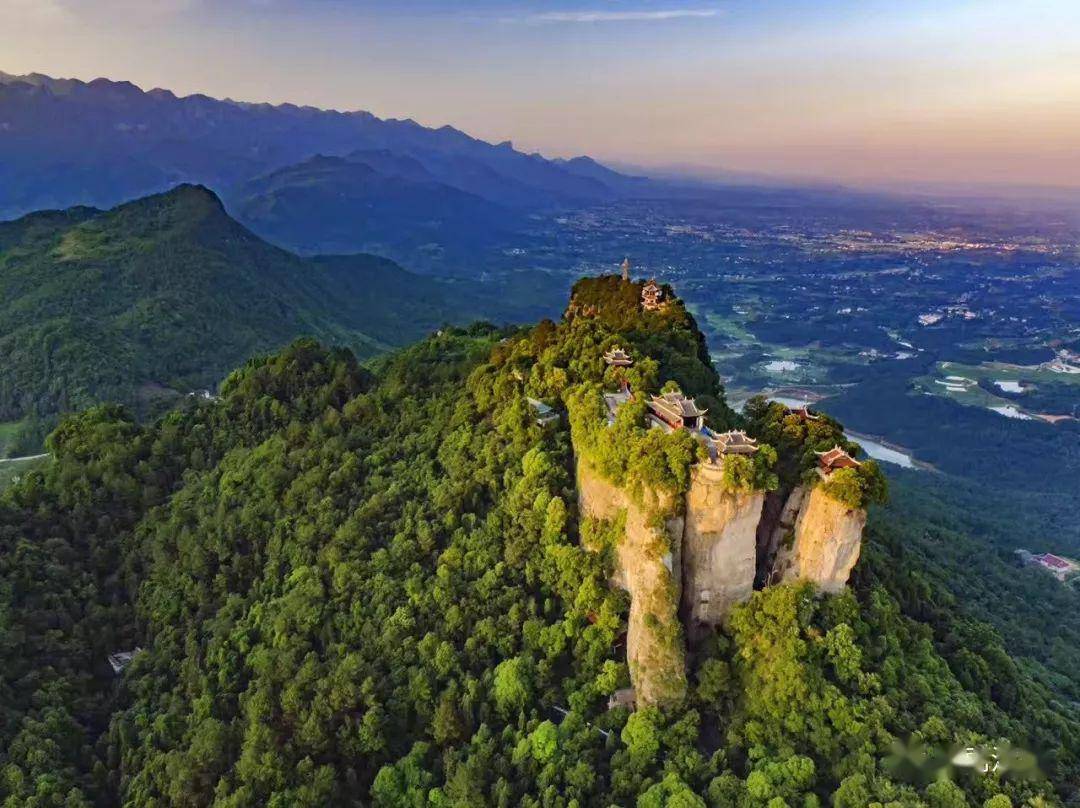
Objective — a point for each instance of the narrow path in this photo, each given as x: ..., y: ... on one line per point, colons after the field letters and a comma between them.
x: 24, y: 457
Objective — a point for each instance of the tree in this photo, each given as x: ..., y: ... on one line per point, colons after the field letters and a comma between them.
x: 544, y: 741
x: 945, y: 794
x: 671, y: 792
x: 513, y: 686
x: 641, y: 738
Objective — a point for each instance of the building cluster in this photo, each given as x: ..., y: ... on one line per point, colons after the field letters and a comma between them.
x: 724, y: 539
x: 1064, y: 362
x: 960, y: 311
x: 672, y: 410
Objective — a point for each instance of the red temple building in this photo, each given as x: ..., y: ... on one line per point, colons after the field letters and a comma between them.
x: 803, y: 413
x: 677, y: 411
x: 835, y: 458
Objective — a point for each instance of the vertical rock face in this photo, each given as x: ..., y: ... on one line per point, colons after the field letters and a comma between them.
x: 719, y: 547
x: 827, y: 539
x: 776, y: 529
x: 648, y: 566
x: 708, y: 558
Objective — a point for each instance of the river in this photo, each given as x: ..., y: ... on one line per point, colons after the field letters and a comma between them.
x: 872, y: 447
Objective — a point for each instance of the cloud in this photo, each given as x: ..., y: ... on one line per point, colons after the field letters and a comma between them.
x: 588, y: 16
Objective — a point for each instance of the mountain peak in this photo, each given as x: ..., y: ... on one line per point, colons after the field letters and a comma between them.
x: 180, y: 209
x: 192, y: 194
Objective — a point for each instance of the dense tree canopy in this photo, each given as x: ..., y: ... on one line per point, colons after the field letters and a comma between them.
x: 373, y: 588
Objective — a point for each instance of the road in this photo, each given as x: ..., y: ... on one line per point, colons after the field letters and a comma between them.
x: 4, y: 460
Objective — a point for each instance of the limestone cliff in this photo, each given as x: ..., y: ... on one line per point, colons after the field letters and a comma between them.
x: 776, y: 530
x: 718, y: 547
x: 646, y: 565
x: 826, y: 542
x: 687, y: 560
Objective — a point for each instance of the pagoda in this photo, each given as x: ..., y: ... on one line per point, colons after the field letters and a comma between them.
x: 835, y: 458
x: 625, y: 267
x: 617, y: 357
x: 677, y: 411
x: 652, y: 296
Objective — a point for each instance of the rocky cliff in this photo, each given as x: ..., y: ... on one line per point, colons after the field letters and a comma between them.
x: 696, y: 557
x: 718, y: 547
x: 776, y: 529
x: 647, y: 566
x: 699, y: 551
x: 825, y: 544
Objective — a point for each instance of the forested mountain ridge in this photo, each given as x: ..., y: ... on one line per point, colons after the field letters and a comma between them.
x: 166, y: 294
x: 372, y: 587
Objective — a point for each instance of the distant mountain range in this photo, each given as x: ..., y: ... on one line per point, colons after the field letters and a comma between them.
x: 310, y: 179
x: 164, y: 295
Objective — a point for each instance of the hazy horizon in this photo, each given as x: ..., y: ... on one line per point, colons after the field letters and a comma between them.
x: 864, y: 94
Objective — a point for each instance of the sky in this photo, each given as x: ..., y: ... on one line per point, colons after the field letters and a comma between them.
x: 854, y: 91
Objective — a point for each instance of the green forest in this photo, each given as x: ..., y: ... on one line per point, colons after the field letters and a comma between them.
x: 164, y: 296
x: 368, y: 585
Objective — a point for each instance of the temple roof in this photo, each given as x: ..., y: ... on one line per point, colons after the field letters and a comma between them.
x: 735, y: 442
x: 121, y: 659
x: 675, y: 403
x: 538, y: 405
x: 837, y: 458
x: 617, y: 356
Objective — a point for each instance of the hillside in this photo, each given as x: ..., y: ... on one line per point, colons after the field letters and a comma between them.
x: 164, y: 295
x: 377, y: 588
x: 65, y: 142
x: 379, y: 203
